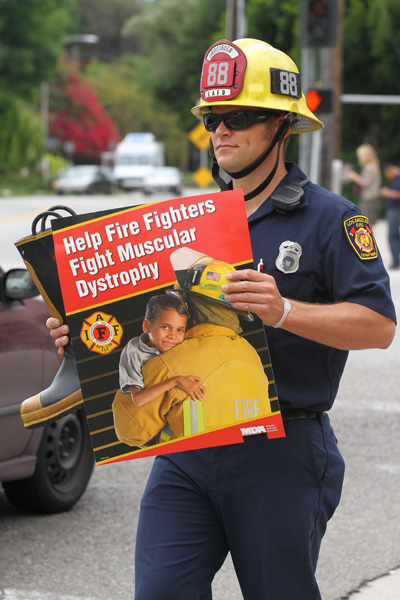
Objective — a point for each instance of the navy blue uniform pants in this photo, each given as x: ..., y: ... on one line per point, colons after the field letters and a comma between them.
x: 267, y: 502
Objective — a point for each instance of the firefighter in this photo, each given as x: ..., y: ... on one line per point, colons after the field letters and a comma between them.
x: 323, y: 291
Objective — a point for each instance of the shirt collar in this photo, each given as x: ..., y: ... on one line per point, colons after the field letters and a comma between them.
x: 144, y: 344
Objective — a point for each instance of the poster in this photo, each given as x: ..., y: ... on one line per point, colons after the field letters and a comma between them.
x: 110, y: 264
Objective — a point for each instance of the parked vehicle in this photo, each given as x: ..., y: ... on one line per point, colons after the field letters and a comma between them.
x: 46, y: 469
x: 163, y: 179
x: 135, y: 157
x: 84, y: 179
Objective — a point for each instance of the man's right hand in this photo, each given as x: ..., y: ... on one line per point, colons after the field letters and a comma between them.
x: 59, y: 333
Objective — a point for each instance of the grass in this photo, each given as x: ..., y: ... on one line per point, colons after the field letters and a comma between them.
x: 16, y: 185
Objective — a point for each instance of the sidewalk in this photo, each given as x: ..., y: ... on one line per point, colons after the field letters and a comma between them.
x: 380, y: 230
x: 386, y: 587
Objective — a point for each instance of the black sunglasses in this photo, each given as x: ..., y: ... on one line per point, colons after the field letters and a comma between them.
x: 238, y: 119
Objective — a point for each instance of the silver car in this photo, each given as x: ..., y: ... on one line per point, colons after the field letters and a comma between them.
x: 163, y: 179
x: 84, y: 179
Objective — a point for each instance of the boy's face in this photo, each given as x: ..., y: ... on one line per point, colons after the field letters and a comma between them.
x: 167, y: 330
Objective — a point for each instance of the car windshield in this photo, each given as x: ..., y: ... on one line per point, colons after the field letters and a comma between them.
x: 166, y: 174
x: 79, y: 172
x: 134, y: 159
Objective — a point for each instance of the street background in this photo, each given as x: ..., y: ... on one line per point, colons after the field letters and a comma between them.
x: 89, y: 551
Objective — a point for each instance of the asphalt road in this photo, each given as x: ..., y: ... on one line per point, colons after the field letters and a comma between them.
x: 89, y: 552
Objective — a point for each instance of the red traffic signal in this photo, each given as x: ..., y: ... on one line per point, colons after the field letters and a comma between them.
x: 318, y: 23
x: 320, y: 100
x: 318, y: 8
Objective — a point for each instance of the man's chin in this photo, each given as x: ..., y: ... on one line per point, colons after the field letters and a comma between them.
x: 227, y: 165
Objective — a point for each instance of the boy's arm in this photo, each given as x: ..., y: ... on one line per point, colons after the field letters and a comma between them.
x: 136, y: 425
x: 190, y: 384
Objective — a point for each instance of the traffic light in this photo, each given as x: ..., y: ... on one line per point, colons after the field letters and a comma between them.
x: 319, y: 100
x: 318, y: 23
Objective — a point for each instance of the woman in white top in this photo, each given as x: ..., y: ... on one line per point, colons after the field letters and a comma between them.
x: 369, y: 181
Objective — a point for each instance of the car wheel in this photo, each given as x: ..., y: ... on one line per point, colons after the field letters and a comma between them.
x: 64, y: 465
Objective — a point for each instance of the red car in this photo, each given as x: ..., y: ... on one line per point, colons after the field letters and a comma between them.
x: 45, y: 469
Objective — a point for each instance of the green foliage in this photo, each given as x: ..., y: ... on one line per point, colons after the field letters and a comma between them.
x: 31, y: 34
x: 371, y: 65
x: 55, y: 164
x: 21, y: 135
x: 106, y: 18
x: 276, y: 22
x: 175, y: 35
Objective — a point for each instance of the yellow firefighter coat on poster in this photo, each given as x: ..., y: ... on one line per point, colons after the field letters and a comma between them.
x: 233, y: 376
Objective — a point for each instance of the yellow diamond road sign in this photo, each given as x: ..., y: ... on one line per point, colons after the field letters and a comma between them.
x: 202, y: 177
x: 199, y: 136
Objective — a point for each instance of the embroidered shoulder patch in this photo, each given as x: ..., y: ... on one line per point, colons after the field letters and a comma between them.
x: 359, y: 234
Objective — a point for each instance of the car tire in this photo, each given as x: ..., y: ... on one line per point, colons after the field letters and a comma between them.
x: 64, y: 465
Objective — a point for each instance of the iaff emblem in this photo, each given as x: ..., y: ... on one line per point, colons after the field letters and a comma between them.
x: 101, y: 333
x: 361, y: 238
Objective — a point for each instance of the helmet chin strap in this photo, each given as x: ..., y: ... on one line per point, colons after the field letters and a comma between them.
x: 278, y: 138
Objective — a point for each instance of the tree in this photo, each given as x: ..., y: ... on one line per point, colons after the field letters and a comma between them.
x: 31, y: 34
x: 371, y: 66
x: 276, y: 22
x: 21, y: 135
x: 126, y: 90
x: 82, y: 120
x: 174, y: 35
x: 106, y: 19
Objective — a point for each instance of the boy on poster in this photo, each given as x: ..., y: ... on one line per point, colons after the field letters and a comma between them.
x: 164, y: 327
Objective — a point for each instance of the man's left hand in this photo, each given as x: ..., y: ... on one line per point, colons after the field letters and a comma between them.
x: 255, y: 292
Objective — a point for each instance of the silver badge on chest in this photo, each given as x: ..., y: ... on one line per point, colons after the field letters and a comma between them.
x: 289, y: 257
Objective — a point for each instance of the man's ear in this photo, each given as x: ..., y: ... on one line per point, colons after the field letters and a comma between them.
x: 280, y: 120
x: 146, y: 325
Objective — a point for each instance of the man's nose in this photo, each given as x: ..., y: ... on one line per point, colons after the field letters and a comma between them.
x: 222, y: 129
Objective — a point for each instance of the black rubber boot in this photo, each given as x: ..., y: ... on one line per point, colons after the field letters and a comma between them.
x: 64, y: 395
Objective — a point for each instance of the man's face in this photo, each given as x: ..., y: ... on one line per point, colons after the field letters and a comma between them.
x: 167, y: 330
x: 235, y: 150
x: 391, y: 172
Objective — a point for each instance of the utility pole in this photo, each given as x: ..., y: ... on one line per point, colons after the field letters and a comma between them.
x: 236, y: 25
x: 338, y: 81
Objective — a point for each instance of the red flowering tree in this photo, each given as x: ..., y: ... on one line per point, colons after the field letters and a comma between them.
x: 80, y: 119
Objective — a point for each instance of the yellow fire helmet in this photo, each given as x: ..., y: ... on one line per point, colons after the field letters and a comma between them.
x: 251, y: 73
x: 199, y: 274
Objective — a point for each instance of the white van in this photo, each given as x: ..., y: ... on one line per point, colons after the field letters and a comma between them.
x: 135, y: 158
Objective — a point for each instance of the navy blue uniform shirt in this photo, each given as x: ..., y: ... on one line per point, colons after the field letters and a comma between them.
x: 392, y: 202
x: 329, y: 269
